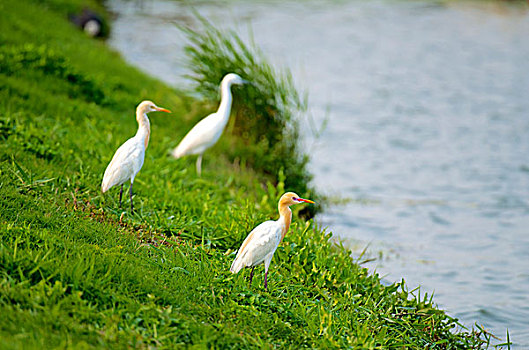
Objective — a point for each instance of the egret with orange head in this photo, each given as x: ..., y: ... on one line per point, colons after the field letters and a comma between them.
x: 260, y: 245
x: 129, y: 157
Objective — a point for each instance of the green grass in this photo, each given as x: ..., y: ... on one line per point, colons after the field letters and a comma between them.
x: 75, y: 272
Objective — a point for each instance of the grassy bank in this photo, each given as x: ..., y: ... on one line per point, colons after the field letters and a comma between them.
x: 75, y: 273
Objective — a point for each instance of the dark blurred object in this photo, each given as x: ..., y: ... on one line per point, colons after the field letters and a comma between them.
x: 91, y: 23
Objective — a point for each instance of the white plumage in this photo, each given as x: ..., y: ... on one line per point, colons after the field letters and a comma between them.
x: 125, y: 164
x: 260, y: 245
x: 207, y: 131
x: 128, y: 159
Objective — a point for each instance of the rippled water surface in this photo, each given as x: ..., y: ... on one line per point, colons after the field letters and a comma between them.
x: 427, y: 109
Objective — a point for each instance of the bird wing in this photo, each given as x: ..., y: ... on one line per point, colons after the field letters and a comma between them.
x: 203, y: 135
x: 126, y: 163
x: 261, y: 242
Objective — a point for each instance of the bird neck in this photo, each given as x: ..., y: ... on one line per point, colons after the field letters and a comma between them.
x: 144, y: 127
x: 285, y: 217
x: 225, y: 101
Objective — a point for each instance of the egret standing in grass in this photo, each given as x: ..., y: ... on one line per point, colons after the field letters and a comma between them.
x: 207, y: 131
x: 260, y: 245
x: 128, y: 159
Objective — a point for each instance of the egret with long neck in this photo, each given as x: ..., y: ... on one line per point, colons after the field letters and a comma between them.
x: 207, y: 131
x: 129, y: 157
x: 260, y: 245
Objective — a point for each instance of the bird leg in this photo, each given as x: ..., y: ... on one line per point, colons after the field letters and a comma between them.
x: 131, y: 205
x: 120, y: 195
x: 266, y: 276
x: 199, y: 164
x: 251, y: 276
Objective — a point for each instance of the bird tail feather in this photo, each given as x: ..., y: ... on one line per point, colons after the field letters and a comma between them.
x: 237, y: 265
x: 105, y: 186
x: 177, y: 152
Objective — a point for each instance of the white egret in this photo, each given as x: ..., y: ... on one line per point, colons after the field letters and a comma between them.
x: 260, y: 245
x: 207, y: 131
x: 129, y: 157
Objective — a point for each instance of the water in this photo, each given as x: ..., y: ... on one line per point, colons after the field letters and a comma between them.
x: 427, y: 108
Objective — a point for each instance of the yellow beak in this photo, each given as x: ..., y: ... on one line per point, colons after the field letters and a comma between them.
x: 160, y: 109
x: 306, y: 200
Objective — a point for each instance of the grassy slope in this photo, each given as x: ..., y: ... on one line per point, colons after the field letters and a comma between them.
x: 73, y: 275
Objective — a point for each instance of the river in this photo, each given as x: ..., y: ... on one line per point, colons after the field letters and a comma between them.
x: 427, y: 131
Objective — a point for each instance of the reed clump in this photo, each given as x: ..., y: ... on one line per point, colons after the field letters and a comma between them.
x: 266, y: 126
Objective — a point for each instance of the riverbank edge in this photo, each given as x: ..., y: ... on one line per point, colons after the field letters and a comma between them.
x: 76, y: 273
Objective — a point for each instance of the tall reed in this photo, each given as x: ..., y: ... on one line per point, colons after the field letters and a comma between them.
x: 266, y: 112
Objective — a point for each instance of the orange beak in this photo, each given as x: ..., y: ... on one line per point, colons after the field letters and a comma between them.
x: 305, y: 200
x: 160, y: 109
